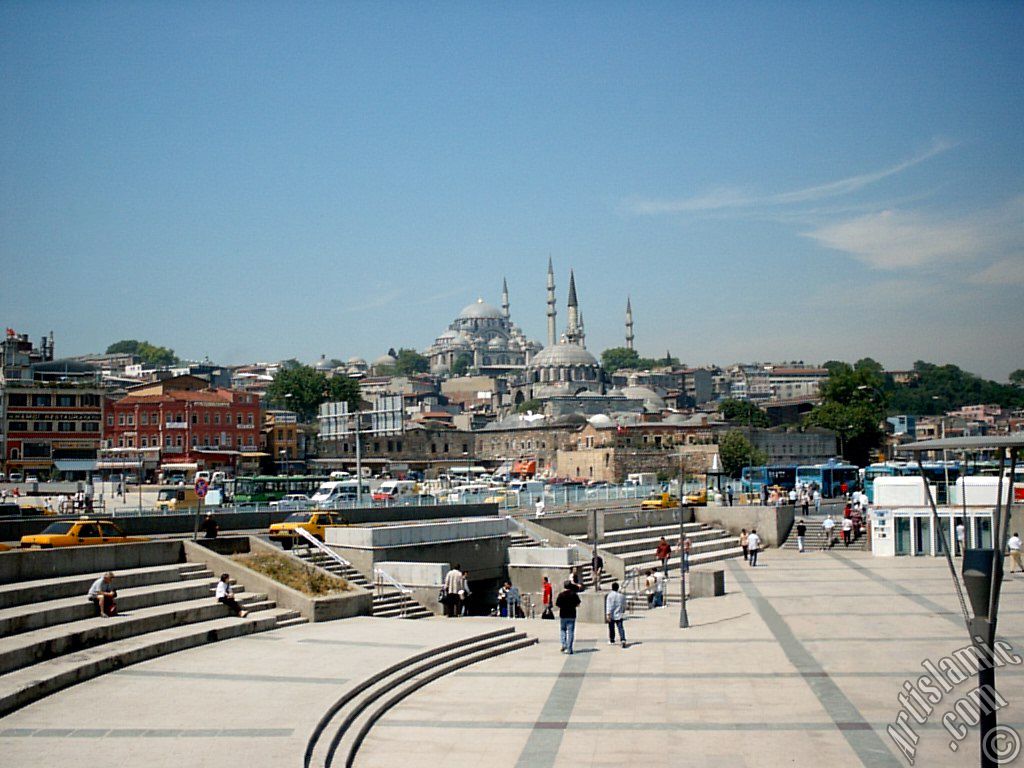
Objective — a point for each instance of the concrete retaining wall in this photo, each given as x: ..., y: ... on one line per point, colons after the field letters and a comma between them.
x: 356, y: 602
x: 425, y: 534
x: 28, y: 564
x: 772, y: 523
x: 542, y: 557
x: 156, y: 525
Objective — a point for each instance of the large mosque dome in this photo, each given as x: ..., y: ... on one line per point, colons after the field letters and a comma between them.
x: 480, y: 310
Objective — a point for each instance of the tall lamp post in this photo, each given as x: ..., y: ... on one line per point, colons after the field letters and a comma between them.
x: 684, y: 619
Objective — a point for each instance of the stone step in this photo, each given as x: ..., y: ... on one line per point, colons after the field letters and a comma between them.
x: 695, y: 559
x: 41, y: 590
x: 51, y: 612
x: 668, y: 531
x: 293, y: 621
x: 32, y: 683
x: 40, y: 645
x: 627, y: 545
x: 699, y: 548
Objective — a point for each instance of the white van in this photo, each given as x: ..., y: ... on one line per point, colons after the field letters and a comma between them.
x: 392, y: 490
x: 339, y: 474
x: 338, y: 492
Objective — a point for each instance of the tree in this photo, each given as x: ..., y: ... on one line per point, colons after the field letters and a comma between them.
x: 743, y: 412
x: 462, y: 364
x: 940, y: 388
x: 737, y: 452
x: 409, y: 362
x: 1017, y: 377
x: 150, y: 353
x: 536, y: 406
x: 617, y: 358
x: 302, y: 390
x: 853, y: 406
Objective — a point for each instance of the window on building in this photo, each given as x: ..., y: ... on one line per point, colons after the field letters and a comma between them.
x: 120, y: 419
x: 216, y: 418
x: 144, y: 417
x: 398, y: 446
x: 120, y: 442
x: 42, y: 401
x: 131, y: 419
x: 445, y: 448
x: 42, y: 426
x: 238, y: 419
x: 206, y: 418
x: 167, y: 441
x: 65, y: 426
x: 240, y: 442
x: 177, y: 440
x: 91, y: 426
x: 65, y: 401
x: 17, y: 399
x: 130, y: 442
x: 195, y: 441
x: 17, y: 426
x: 110, y: 419
x: 251, y: 440
x: 195, y: 417
x: 249, y: 419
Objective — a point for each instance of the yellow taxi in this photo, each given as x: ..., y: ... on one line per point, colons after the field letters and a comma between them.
x: 312, y: 521
x: 660, y: 501
x: 4, y: 548
x: 697, y: 498
x: 75, y: 533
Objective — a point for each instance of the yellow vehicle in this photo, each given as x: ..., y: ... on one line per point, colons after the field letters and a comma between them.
x: 177, y: 498
x: 312, y: 521
x: 697, y: 498
x: 75, y: 533
x: 4, y: 548
x: 660, y: 501
x: 509, y: 498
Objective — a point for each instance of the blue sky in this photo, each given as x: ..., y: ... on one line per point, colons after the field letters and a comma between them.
x: 268, y: 180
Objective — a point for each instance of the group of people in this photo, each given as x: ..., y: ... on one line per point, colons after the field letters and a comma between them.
x: 104, y: 597
x: 750, y: 543
x: 803, y: 495
x: 455, y: 592
x: 568, y: 602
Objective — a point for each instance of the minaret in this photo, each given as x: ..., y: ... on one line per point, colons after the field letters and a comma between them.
x: 551, y: 304
x: 504, y: 299
x: 572, y: 332
x: 582, y: 333
x: 629, y: 324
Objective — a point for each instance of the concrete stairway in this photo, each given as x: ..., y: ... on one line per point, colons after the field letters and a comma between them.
x: 51, y: 637
x: 816, y: 538
x: 388, y: 602
x: 336, y: 739
x: 636, y: 546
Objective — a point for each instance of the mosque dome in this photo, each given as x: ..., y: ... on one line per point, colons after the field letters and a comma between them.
x: 385, y: 359
x: 561, y: 355
x: 652, y: 400
x: 357, y: 361
x: 496, y: 343
x: 323, y: 364
x: 600, y: 420
x: 480, y: 310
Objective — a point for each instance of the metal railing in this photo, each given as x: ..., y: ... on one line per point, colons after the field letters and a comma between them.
x: 382, y: 579
x: 313, y: 541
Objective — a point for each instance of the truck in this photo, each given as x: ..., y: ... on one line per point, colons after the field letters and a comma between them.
x: 641, y: 479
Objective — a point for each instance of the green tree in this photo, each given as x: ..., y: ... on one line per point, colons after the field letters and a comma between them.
x: 617, y: 358
x: 462, y: 364
x: 150, y: 353
x: 530, y: 405
x: 302, y: 390
x: 1017, y: 377
x: 409, y: 362
x: 936, y: 389
x: 853, y: 406
x: 737, y: 452
x: 743, y: 412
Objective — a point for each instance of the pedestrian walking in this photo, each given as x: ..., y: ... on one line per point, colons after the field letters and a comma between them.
x: 728, y: 494
x: 961, y: 538
x: 596, y: 569
x: 805, y: 502
x: 817, y: 501
x: 685, y: 547
x: 615, y: 612
x: 744, y: 543
x: 659, y: 589
x: 649, y: 587
x: 847, y: 530
x: 210, y: 527
x: 226, y: 595
x: 450, y: 593
x: 464, y: 595
x: 827, y: 525
x: 539, y: 507
x: 801, y: 533
x: 576, y: 579
x: 503, y: 600
x: 753, y: 546
x: 567, y: 602
x: 546, y: 593
x: 514, y: 599
x: 1013, y: 544
x: 103, y: 595
x: 764, y: 495
x: 663, y: 552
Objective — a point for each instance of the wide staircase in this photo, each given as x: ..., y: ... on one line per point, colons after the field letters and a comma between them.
x: 52, y: 637
x: 816, y: 538
x: 343, y: 729
x: 389, y: 601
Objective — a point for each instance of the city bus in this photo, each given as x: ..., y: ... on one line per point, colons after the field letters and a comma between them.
x: 265, y: 488
x: 829, y: 478
x: 755, y: 478
x: 937, y: 473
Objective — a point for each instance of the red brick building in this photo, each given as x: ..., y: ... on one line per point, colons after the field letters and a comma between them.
x: 192, y: 425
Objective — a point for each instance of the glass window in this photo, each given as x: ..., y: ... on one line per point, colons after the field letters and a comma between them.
x: 17, y: 399
x: 17, y: 426
x: 65, y: 426
x: 144, y: 417
x: 65, y: 401
x: 41, y: 400
x: 110, y: 419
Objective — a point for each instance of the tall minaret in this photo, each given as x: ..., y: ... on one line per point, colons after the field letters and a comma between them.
x: 551, y: 304
x: 629, y: 324
x: 582, y: 333
x: 572, y: 331
x: 504, y: 299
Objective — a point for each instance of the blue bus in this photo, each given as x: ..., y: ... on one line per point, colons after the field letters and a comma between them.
x: 936, y: 472
x: 829, y: 478
x: 755, y: 478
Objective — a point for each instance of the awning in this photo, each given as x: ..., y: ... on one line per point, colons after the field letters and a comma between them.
x: 184, y: 466
x: 75, y: 465
x: 977, y: 443
x: 119, y: 464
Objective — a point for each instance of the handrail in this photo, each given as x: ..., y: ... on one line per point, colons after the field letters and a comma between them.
x: 381, y: 577
x: 310, y: 538
x: 521, y: 527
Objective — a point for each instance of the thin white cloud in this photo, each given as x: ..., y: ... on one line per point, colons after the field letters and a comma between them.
x: 737, y: 198
x: 1005, y: 272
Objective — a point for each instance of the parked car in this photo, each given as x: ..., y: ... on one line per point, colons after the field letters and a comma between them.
x: 660, y: 501
x: 696, y: 498
x: 81, y: 532
x: 15, y: 477
x: 314, y: 522
x: 293, y: 502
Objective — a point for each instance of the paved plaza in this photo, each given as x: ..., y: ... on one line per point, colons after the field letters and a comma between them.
x: 800, y: 664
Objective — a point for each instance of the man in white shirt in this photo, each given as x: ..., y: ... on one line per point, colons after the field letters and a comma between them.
x: 817, y: 501
x: 659, y: 589
x: 453, y: 584
x: 847, y: 531
x: 753, y: 547
x: 539, y: 507
x: 615, y: 611
x: 961, y: 538
x: 226, y: 595
x: 102, y: 594
x: 827, y: 525
x: 1013, y: 544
